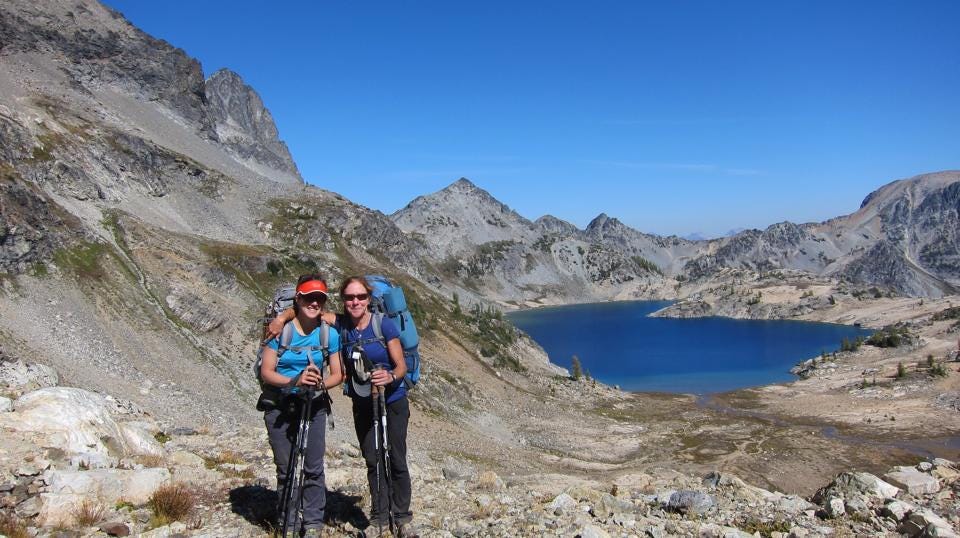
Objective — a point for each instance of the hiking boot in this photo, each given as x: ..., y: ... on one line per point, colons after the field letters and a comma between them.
x: 405, y: 530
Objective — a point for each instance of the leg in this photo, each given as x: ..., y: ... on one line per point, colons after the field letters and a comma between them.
x: 398, y: 416
x: 314, y: 486
x: 363, y: 423
x: 281, y: 433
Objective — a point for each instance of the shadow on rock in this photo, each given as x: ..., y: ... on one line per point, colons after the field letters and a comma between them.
x: 258, y: 505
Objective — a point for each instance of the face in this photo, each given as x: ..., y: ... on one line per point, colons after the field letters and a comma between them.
x: 355, y: 300
x: 311, y: 304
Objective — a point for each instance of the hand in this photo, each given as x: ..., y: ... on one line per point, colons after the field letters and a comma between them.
x: 311, y: 377
x: 274, y: 328
x: 381, y: 377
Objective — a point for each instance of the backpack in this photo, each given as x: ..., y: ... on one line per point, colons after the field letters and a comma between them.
x: 282, y: 300
x: 387, y: 300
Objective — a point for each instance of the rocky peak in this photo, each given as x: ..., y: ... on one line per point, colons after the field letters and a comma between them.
x: 603, y: 225
x: 551, y: 224
x: 461, y: 216
x: 244, y: 125
x: 97, y: 47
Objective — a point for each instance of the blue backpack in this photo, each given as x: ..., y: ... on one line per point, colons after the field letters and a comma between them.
x: 388, y: 300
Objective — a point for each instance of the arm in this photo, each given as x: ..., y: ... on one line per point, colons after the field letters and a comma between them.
x: 386, y: 377
x: 336, y: 371
x: 275, y: 327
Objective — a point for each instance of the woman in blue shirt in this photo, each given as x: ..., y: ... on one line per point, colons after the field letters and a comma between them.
x: 297, y: 370
x: 386, y: 369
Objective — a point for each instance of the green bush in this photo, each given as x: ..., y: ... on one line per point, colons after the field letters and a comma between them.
x: 891, y: 336
x: 576, y: 370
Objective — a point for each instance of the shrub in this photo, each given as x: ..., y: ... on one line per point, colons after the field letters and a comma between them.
x: 11, y: 527
x: 939, y: 370
x: 890, y: 336
x: 88, y: 514
x: 171, y: 503
x: 901, y: 370
x: 576, y: 370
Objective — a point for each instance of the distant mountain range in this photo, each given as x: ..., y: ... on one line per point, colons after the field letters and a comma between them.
x: 902, y: 239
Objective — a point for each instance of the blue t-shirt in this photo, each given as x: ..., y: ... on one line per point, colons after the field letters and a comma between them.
x: 374, y: 350
x: 292, y: 362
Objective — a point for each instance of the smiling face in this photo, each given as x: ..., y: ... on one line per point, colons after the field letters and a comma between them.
x: 355, y: 300
x: 311, y: 304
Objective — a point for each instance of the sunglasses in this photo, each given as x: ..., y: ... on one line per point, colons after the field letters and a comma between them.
x: 354, y: 296
x: 313, y: 298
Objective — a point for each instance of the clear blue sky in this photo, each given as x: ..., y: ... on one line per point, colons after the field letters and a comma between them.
x: 675, y: 117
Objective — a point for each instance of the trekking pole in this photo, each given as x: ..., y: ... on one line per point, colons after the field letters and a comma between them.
x: 385, y: 455
x: 296, y: 466
x: 378, y: 447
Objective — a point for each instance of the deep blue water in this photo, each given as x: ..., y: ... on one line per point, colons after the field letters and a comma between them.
x: 619, y: 345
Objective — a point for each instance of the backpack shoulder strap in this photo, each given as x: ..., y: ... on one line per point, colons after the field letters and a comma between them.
x: 376, y: 321
x: 324, y: 339
x: 286, y: 336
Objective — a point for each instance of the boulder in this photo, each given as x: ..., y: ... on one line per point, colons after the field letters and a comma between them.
x: 924, y: 523
x: 77, y: 422
x: 913, y: 481
x: 6, y: 404
x: 18, y: 377
x: 690, y: 502
x: 561, y: 503
x: 897, y: 510
x: 834, y: 507
x: 851, y: 484
x: 67, y: 490
x: 186, y: 459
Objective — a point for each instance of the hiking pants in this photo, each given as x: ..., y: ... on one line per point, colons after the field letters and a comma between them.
x: 283, y: 423
x: 398, y: 415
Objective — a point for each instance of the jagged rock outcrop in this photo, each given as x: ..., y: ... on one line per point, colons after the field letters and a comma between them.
x: 98, y: 47
x: 244, y: 125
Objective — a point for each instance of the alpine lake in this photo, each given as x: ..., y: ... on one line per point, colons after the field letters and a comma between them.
x: 618, y: 344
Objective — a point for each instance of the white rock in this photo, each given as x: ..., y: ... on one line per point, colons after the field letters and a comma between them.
x: 140, y: 439
x: 186, y: 459
x: 6, y: 404
x: 867, y: 484
x: 913, y: 481
x: 835, y: 507
x: 21, y: 377
x: 562, y: 502
x: 67, y: 490
x: 926, y: 522
x: 897, y: 510
x: 73, y: 420
x: 593, y: 531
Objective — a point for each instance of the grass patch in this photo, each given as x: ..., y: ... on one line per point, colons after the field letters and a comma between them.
x: 224, y: 456
x: 11, y: 527
x: 83, y: 260
x: 88, y: 514
x: 162, y: 437
x: 151, y: 461
x: 170, y: 503
x: 765, y: 528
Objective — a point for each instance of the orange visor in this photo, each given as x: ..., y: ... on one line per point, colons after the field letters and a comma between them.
x: 312, y: 286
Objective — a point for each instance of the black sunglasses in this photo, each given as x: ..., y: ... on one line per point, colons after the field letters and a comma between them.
x: 351, y: 296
